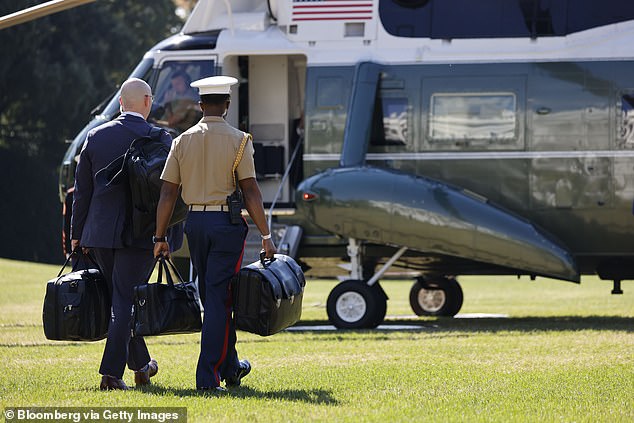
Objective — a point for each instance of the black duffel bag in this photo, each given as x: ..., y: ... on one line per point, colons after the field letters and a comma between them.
x: 267, y: 295
x: 166, y: 308
x: 77, y: 304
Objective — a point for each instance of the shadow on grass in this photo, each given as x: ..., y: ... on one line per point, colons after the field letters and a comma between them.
x: 426, y: 324
x: 313, y: 396
x: 487, y: 324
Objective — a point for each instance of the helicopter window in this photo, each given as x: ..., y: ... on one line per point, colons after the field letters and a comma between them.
x: 478, y: 116
x: 176, y: 102
x: 329, y: 93
x: 390, y: 123
x: 627, y: 120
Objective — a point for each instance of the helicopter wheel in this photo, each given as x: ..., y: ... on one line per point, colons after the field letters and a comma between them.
x: 355, y: 305
x: 440, y: 296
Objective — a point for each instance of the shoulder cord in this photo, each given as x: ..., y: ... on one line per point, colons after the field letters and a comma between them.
x: 245, y: 138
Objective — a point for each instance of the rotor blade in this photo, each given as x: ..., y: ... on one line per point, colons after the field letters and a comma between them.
x: 39, y: 11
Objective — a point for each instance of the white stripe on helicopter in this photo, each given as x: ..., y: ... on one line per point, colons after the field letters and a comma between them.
x: 491, y: 155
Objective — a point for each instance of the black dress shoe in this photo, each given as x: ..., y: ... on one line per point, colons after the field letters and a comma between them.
x: 243, y: 370
x: 142, y: 377
x: 109, y: 383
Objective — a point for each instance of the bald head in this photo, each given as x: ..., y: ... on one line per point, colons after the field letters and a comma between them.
x: 136, y: 96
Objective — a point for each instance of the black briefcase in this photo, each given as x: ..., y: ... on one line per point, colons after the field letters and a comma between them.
x: 77, y: 304
x: 166, y: 308
x: 267, y: 295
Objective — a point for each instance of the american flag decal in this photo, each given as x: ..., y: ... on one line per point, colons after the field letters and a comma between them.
x: 332, y: 10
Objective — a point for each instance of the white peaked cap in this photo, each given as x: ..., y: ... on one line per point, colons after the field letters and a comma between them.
x: 214, y: 85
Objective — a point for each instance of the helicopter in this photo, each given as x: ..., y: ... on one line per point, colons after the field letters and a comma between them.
x: 442, y: 138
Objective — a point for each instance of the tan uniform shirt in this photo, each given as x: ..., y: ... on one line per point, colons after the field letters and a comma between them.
x: 201, y: 159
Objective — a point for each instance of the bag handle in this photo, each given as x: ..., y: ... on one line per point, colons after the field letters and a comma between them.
x: 149, y: 275
x: 75, y: 252
x: 265, y: 261
x: 236, y: 162
x: 165, y: 265
x: 174, y: 270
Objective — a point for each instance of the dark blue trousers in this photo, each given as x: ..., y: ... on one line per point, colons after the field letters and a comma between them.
x: 216, y: 248
x: 123, y: 269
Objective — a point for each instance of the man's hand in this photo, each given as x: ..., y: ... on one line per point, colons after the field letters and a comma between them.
x: 253, y: 204
x: 162, y: 249
x: 269, y: 248
x: 74, y: 245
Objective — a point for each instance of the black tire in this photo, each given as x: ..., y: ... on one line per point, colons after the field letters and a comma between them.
x: 381, y: 301
x: 354, y: 305
x: 441, y: 296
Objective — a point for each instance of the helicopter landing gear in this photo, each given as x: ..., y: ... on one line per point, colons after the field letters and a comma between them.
x: 356, y: 303
x: 438, y: 296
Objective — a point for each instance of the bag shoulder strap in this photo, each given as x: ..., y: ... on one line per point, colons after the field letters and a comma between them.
x: 154, y: 134
x: 116, y: 169
x: 236, y: 162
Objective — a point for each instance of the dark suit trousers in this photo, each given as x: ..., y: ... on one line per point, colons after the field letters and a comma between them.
x: 123, y: 268
x: 216, y: 248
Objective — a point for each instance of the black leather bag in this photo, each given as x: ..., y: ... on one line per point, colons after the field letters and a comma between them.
x: 77, y: 304
x: 166, y: 308
x: 267, y: 295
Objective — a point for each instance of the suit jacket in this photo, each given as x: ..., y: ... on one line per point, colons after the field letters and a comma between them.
x: 101, y: 214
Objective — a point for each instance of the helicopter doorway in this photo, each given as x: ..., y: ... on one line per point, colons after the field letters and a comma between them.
x: 270, y: 104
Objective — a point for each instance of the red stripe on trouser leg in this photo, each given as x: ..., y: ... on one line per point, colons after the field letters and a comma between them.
x: 225, y: 342
x: 239, y: 263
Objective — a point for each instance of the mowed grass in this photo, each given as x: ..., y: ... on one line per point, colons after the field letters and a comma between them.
x: 564, y: 353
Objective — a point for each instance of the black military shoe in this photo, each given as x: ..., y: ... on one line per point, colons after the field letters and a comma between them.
x: 243, y: 370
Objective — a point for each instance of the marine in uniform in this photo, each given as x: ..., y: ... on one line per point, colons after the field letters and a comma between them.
x: 101, y: 222
x: 200, y: 163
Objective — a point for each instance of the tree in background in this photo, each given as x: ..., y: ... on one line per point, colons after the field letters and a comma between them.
x: 53, y: 71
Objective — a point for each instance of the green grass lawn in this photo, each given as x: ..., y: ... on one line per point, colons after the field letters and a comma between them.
x: 564, y: 353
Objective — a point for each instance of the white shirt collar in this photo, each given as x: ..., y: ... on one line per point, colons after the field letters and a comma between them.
x: 133, y: 114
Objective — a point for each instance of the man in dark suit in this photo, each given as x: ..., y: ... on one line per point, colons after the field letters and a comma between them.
x: 101, y: 222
